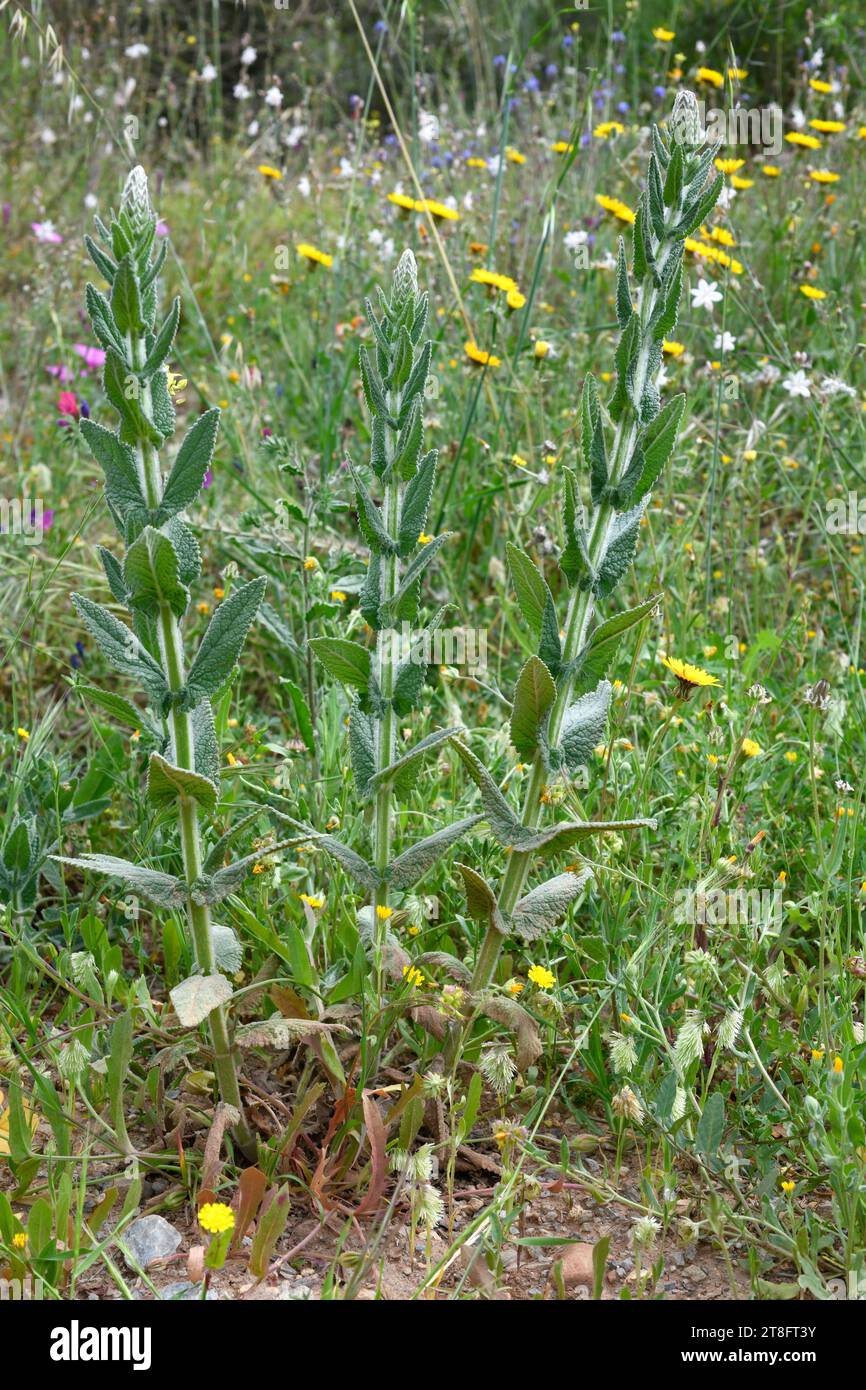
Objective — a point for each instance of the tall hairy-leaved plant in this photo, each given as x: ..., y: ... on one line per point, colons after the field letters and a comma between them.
x: 387, y: 679
x: 561, y: 699
x: 152, y: 579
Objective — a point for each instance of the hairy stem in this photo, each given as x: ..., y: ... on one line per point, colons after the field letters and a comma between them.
x: 581, y: 608
x: 183, y: 756
x: 386, y: 741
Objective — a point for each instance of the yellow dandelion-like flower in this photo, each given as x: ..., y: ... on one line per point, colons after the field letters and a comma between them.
x: 690, y: 678
x: 338, y: 596
x: 828, y: 127
x: 514, y: 987
x: 541, y: 976
x: 751, y: 748
x: 817, y: 1054
x: 480, y: 357
x: 721, y: 235
x: 615, y: 207
x: 738, y: 182
x: 607, y: 128
x: 435, y: 209
x: 216, y: 1217
x: 311, y: 563
x: 664, y: 35
x: 514, y: 299
x: 402, y: 201
x: 562, y: 147
x: 804, y: 142
x: 267, y: 171
x: 728, y: 166
x: 812, y: 292
x: 492, y: 278
x: 19, y: 1240
x: 313, y: 254
x: 541, y: 348
x: 383, y: 913
x: 787, y: 1187
x: 412, y: 975
x: 514, y: 156
x: 711, y: 77
x: 23, y: 734
x: 475, y: 163
x: 819, y: 85
x: 424, y: 539
x: 673, y: 348
x: 838, y: 1065
x: 311, y: 901
x: 824, y: 176
x: 738, y: 74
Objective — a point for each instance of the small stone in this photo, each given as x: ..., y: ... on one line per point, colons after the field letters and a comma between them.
x: 150, y: 1238
x: 577, y: 1265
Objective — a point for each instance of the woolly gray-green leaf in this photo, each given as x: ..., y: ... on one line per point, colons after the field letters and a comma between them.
x: 593, y: 660
x: 534, y: 694
x: 167, y: 784
x: 123, y: 488
x: 416, y: 503
x: 163, y: 341
x: 344, y: 660
x: 195, y: 998
x: 619, y: 554
x: 162, y: 889
x: 530, y: 587
x: 583, y: 726
x: 544, y: 907
x: 413, y: 863
x: 396, y: 772
x: 120, y: 646
x: 193, y: 460
x: 150, y: 572
x: 222, y: 643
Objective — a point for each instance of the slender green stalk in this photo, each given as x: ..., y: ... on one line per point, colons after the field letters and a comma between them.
x: 659, y: 234
x: 161, y: 561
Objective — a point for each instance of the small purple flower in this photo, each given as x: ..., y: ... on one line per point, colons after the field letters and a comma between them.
x: 551, y: 71
x: 208, y: 478
x: 568, y: 41
x: 91, y: 356
x: 7, y: 213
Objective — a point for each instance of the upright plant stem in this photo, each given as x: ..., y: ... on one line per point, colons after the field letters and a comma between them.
x: 183, y: 756
x: 386, y: 742
x: 579, y: 616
